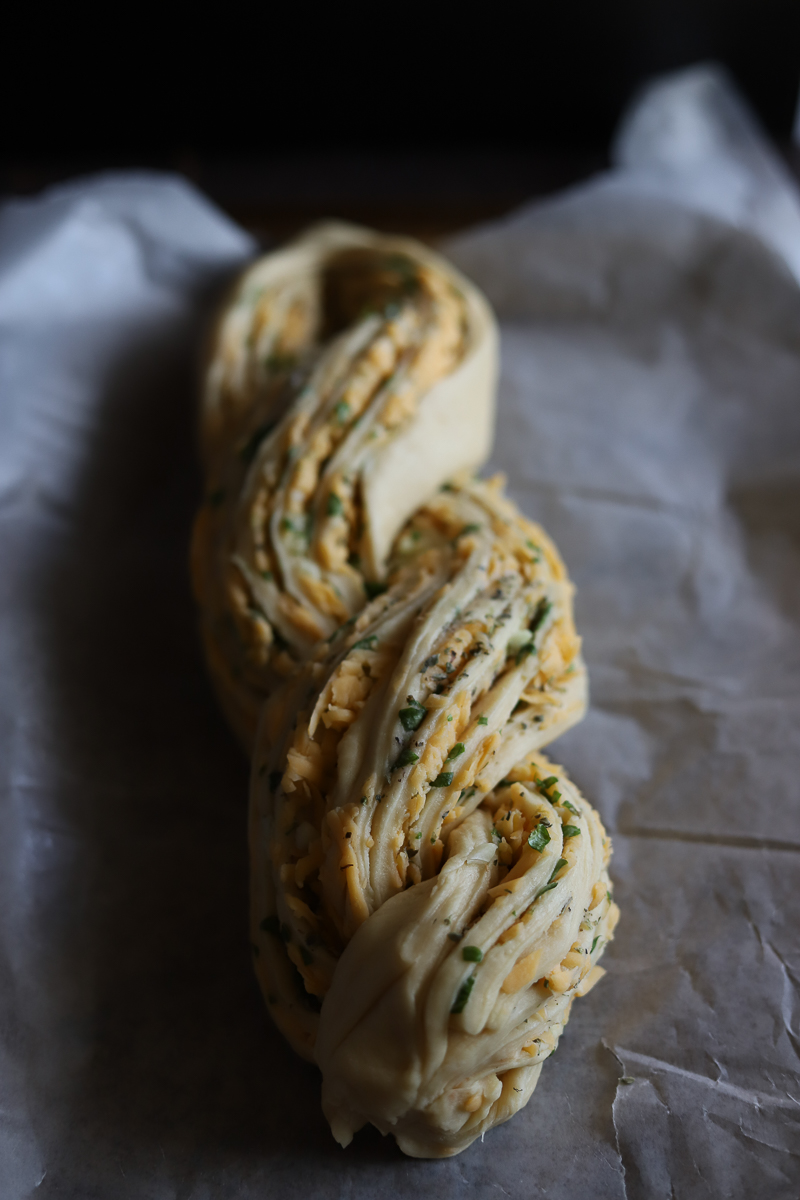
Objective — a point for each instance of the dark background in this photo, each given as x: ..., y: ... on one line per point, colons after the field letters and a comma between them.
x: 417, y: 117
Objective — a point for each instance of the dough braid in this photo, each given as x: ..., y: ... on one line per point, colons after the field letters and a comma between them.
x: 429, y: 893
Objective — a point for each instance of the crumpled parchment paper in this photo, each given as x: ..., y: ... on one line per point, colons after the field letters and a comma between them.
x: 650, y: 418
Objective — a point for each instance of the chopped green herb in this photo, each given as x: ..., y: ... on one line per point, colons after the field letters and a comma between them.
x: 545, y: 784
x: 443, y: 779
x: 469, y: 529
x: 456, y: 751
x: 525, y: 649
x: 542, y: 609
x: 267, y: 575
x: 341, y: 411
x: 433, y: 841
x: 367, y: 643
x: 562, y: 862
x: 407, y: 758
x: 455, y: 937
x: 483, y: 720
x: 434, y: 658
x: 463, y: 995
x: 555, y: 797
x: 504, y: 783
x: 539, y: 837
x: 334, y: 508
x: 472, y: 954
x: 412, y: 716
x: 570, y: 830
x: 271, y: 925
x: 627, y: 1079
x: 594, y: 943
x: 373, y: 588
x: 418, y: 835
x: 571, y: 807
x: 536, y: 549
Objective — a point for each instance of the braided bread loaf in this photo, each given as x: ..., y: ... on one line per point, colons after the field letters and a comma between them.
x: 429, y: 893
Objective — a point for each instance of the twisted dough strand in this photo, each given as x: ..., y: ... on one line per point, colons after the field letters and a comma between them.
x: 428, y: 892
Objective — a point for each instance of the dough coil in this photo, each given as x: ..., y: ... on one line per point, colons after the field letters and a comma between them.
x: 428, y: 893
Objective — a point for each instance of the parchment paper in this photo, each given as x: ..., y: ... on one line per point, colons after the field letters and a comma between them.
x: 650, y: 418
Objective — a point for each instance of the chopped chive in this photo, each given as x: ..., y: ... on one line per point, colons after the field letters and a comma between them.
x: 373, y: 588
x: 483, y: 720
x: 539, y: 837
x: 407, y: 758
x: 443, y: 779
x: 334, y: 508
x: 570, y: 830
x: 456, y: 751
x: 472, y: 954
x: 341, y: 411
x: 412, y: 717
x: 367, y: 643
x: 418, y: 836
x: 571, y: 807
x: 468, y: 529
x: 545, y: 784
x: 434, y: 658
x: 463, y: 995
x: 455, y: 937
x: 433, y: 841
x: 594, y: 943
x: 267, y: 575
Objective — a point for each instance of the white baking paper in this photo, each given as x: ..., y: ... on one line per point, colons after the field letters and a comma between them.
x: 650, y: 418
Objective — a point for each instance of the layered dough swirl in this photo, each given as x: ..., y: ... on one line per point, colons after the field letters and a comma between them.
x: 349, y: 376
x: 428, y: 892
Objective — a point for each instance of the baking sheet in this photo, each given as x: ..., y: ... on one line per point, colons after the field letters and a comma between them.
x: 650, y: 418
